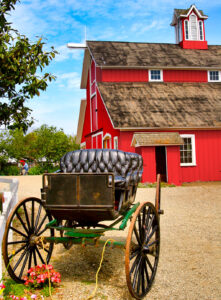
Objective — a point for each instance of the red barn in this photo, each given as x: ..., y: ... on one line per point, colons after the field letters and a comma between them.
x: 162, y: 101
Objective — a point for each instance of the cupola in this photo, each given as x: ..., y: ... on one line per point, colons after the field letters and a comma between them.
x: 189, y: 28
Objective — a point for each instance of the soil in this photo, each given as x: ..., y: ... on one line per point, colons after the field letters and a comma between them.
x: 190, y: 259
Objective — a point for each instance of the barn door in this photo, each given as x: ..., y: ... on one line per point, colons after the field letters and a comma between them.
x: 161, y: 163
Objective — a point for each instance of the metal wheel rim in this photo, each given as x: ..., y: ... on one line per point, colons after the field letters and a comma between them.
x: 29, y: 253
x: 136, y: 263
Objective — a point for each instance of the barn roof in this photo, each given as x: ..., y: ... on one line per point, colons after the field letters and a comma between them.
x: 153, y: 55
x: 162, y: 105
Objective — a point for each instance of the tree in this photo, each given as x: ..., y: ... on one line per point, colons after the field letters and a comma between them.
x: 52, y: 143
x: 20, y: 59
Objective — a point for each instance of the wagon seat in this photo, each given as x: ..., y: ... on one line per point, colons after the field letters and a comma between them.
x: 127, y: 169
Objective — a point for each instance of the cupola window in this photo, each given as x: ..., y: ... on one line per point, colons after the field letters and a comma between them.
x: 201, y: 30
x: 193, y: 27
x: 186, y: 30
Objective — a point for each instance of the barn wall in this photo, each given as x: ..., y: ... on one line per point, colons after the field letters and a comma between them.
x: 149, y: 164
x: 124, y: 75
x: 173, y: 165
x: 104, y: 121
x: 208, y: 158
x: 112, y: 75
x: 184, y: 76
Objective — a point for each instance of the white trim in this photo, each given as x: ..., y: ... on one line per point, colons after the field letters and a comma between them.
x: 116, y: 140
x: 105, y: 107
x: 107, y: 137
x: 219, y: 72
x: 192, y: 136
x: 95, y: 135
x: 94, y: 94
x: 198, y: 13
x: 158, y: 80
x: 90, y: 96
x: 188, y: 29
x: 201, y: 22
x: 82, y: 145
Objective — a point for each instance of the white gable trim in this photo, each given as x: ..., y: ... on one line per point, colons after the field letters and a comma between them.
x: 196, y: 10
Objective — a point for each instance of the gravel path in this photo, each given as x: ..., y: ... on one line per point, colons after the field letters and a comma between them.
x: 190, y: 260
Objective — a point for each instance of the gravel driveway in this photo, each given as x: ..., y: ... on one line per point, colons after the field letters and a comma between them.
x: 190, y: 260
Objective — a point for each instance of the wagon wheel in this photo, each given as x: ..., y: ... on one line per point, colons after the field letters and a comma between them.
x: 142, y: 250
x: 26, y: 222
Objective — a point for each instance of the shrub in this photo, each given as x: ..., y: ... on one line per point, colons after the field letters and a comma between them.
x: 9, y: 170
x: 37, y: 170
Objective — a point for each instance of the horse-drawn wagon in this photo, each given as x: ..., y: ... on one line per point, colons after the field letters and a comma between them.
x: 92, y: 186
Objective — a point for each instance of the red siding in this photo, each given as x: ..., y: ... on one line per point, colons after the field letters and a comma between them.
x: 104, y: 121
x: 124, y: 75
x: 87, y: 118
x: 208, y: 158
x: 149, y: 164
x: 184, y: 76
x: 93, y: 71
x: 142, y: 76
x: 173, y: 164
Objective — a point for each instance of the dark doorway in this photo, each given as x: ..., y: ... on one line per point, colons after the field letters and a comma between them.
x: 161, y: 167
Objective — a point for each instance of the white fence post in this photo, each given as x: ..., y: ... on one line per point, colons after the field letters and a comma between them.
x: 11, y: 198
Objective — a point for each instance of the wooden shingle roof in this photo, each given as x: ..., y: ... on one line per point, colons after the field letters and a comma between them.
x: 180, y: 12
x: 150, y: 55
x: 162, y: 105
x: 156, y: 139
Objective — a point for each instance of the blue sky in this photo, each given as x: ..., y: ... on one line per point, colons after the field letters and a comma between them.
x: 64, y: 21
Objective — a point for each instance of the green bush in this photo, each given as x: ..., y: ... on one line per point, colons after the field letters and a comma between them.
x: 40, y: 169
x: 37, y: 170
x: 9, y: 170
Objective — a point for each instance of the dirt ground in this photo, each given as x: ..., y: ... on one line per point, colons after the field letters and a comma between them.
x: 190, y: 259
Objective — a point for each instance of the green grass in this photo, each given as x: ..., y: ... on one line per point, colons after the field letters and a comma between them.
x: 13, y: 288
x: 153, y: 185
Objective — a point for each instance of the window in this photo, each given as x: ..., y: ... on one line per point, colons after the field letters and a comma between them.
x: 193, y: 27
x: 115, y: 142
x: 187, y: 150
x: 186, y: 30
x: 155, y: 75
x: 201, y: 30
x: 214, y: 76
x: 107, y: 141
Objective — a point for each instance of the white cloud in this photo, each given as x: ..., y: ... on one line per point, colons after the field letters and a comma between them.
x: 68, y: 80
x: 65, y: 53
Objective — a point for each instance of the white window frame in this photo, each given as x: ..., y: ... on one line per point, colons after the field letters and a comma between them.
x: 186, y: 26
x: 116, y: 141
x: 95, y: 135
x: 219, y: 72
x: 157, y: 80
x: 190, y: 28
x: 82, y: 145
x: 201, y: 22
x: 193, y: 163
x: 107, y: 136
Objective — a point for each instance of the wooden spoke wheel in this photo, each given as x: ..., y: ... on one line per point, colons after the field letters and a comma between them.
x: 21, y: 251
x: 142, y: 250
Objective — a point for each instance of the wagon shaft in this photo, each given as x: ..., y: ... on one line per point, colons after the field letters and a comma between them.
x: 82, y: 241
